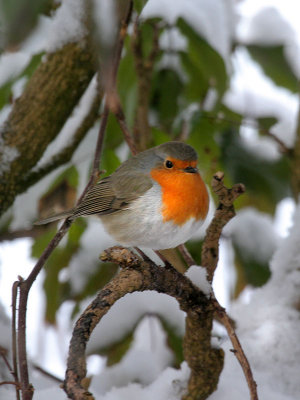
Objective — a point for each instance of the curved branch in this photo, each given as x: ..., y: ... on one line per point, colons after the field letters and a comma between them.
x: 136, y: 275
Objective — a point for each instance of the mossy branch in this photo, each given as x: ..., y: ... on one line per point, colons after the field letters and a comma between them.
x: 65, y: 155
x: 39, y: 114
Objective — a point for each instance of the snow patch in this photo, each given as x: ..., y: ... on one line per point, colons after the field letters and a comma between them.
x: 198, y: 275
x: 213, y: 19
x: 254, y: 234
x: 68, y: 24
x: 7, y: 155
x: 127, y: 311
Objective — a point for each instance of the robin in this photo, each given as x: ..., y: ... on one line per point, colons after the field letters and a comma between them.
x: 156, y: 199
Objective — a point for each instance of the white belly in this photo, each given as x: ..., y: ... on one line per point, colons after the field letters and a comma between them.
x: 141, y: 224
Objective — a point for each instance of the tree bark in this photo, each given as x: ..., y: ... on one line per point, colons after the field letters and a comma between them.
x: 39, y: 114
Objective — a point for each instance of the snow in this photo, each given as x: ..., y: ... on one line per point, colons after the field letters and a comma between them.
x: 104, y: 17
x: 267, y: 318
x: 94, y: 240
x: 253, y: 94
x: 126, y: 313
x: 198, y: 276
x: 8, y: 154
x: 68, y: 25
x: 269, y: 27
x: 11, y: 65
x: 72, y: 124
x: 253, y: 233
x: 170, y: 385
x: 144, y: 362
x: 267, y: 324
x: 213, y: 19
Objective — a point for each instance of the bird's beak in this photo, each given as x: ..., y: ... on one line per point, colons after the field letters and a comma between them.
x: 191, y: 170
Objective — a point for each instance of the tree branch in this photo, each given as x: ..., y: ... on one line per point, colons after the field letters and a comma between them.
x: 64, y: 77
x: 65, y: 154
x: 136, y: 275
x: 224, y: 212
x: 238, y: 350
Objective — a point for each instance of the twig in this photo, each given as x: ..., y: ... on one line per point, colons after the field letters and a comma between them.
x: 224, y: 212
x: 186, y: 255
x: 47, y: 373
x: 238, y: 350
x: 25, y: 285
x: 14, y: 336
x: 3, y: 353
x: 9, y: 383
x: 123, y: 125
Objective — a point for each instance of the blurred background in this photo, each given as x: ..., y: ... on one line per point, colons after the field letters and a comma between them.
x: 221, y: 75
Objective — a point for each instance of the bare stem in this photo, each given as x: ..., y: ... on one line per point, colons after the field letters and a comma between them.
x: 14, y: 336
x: 25, y: 285
x: 238, y: 350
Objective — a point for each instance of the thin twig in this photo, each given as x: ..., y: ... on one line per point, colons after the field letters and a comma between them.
x: 186, y: 255
x: 14, y: 336
x: 123, y: 125
x: 25, y: 285
x: 9, y: 383
x: 224, y: 212
x: 238, y: 350
x: 3, y: 353
x: 47, y: 373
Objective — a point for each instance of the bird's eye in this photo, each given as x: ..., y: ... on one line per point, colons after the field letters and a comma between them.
x: 169, y: 164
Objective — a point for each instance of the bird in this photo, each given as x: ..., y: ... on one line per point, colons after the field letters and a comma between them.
x: 156, y: 199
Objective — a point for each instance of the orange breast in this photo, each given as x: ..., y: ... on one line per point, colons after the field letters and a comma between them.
x: 184, y: 195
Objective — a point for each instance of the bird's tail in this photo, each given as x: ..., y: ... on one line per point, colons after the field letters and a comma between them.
x: 55, y: 217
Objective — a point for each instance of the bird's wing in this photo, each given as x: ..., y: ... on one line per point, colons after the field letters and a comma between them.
x: 113, y: 193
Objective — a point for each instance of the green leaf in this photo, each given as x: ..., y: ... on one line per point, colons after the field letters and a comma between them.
x: 41, y: 242
x: 266, y: 123
x: 159, y: 136
x: 166, y: 90
x: 139, y: 5
x: 70, y: 175
x: 59, y: 259
x: 204, y: 65
x: 255, y: 273
x: 109, y: 162
x: 202, y: 138
x: 20, y: 17
x: 127, y: 84
x: 5, y: 94
x: 6, y: 89
x: 174, y: 342
x: 275, y: 65
x: 117, y: 351
x: 265, y: 180
x: 104, y: 272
